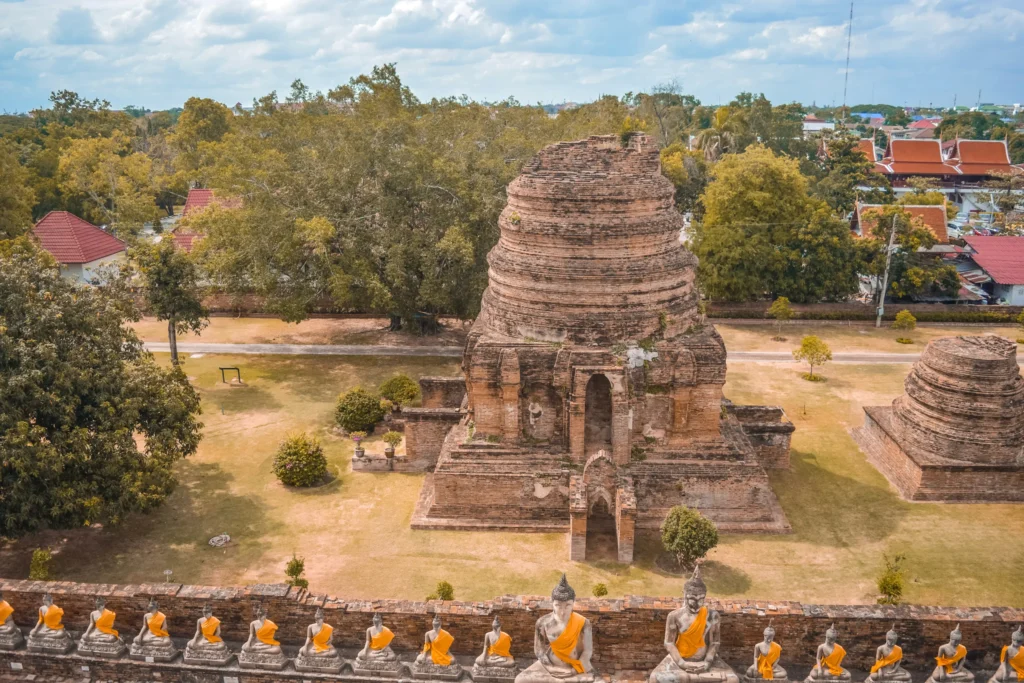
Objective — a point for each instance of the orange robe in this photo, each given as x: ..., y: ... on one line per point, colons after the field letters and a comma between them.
x: 766, y: 663
x: 834, y: 660
x: 52, y: 618
x: 893, y: 657
x: 1016, y: 662
x: 156, y: 625
x: 438, y: 648
x: 265, y: 633
x: 105, y: 623
x: 948, y: 662
x: 564, y: 646
x: 5, y: 611
x: 692, y: 639
x: 382, y: 639
x: 321, y: 641
x: 502, y: 646
x: 209, y: 629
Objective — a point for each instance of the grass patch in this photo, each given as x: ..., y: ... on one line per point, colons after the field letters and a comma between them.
x: 904, y: 340
x: 812, y: 378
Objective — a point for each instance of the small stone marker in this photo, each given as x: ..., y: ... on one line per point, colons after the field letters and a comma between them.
x: 16, y: 666
x: 221, y: 540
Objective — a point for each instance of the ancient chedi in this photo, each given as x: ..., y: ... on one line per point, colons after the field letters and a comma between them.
x: 593, y: 383
x: 957, y: 434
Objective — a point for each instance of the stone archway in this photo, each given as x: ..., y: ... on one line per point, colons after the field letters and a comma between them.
x: 597, y: 420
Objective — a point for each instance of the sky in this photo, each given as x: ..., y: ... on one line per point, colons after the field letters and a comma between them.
x: 157, y: 53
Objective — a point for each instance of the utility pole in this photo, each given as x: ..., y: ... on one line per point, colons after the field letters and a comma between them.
x: 885, y: 277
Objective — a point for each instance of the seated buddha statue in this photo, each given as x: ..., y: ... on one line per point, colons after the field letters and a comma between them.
x: 497, y: 649
x: 692, y: 639
x: 766, y: 659
x: 318, y: 653
x: 153, y: 640
x: 207, y: 646
x: 49, y: 634
x: 100, y: 637
x: 377, y: 652
x: 563, y: 642
x: 436, y: 645
x: 951, y: 660
x: 1011, y: 660
x: 261, y: 650
x: 828, y: 660
x: 887, y: 665
x: 10, y: 634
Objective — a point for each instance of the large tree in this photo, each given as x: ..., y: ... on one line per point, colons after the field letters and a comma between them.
x: 849, y: 177
x: 16, y: 196
x: 91, y: 426
x: 170, y: 284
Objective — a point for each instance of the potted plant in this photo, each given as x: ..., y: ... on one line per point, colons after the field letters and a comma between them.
x: 392, y: 439
x: 358, y: 437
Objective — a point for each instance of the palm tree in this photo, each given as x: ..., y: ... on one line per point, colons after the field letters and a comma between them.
x: 723, y: 136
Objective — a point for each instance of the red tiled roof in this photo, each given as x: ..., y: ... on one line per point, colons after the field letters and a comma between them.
x: 72, y: 240
x: 932, y: 215
x: 1001, y: 257
x: 868, y: 147
x: 915, y: 157
x: 924, y: 123
x: 981, y: 157
x: 185, y: 240
x: 197, y: 199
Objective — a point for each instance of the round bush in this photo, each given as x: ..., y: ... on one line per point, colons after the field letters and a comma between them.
x: 358, y: 410
x: 600, y: 590
x: 400, y: 390
x: 300, y: 461
x: 688, y: 535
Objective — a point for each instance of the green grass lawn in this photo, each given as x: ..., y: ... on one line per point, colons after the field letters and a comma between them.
x: 354, y: 532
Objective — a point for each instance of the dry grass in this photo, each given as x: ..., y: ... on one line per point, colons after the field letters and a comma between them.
x: 354, y: 533
x: 843, y: 337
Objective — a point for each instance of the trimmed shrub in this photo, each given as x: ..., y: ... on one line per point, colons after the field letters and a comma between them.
x: 358, y: 410
x: 688, y: 535
x: 401, y: 390
x: 392, y: 438
x: 300, y: 461
x: 444, y: 591
x: 904, y: 340
x: 294, y: 570
x: 600, y: 590
x: 39, y: 570
x: 905, y: 321
x: 890, y: 581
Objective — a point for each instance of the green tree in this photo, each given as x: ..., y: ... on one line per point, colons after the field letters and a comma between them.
x: 300, y: 461
x: 16, y: 194
x: 891, y: 580
x: 170, y: 284
x: 905, y: 321
x: 201, y: 121
x: 1020, y: 322
x: 897, y: 117
x: 726, y: 134
x: 912, y: 271
x: 294, y: 570
x: 688, y: 535
x: 846, y: 172
x: 782, y: 311
x: 400, y: 390
x: 91, y: 427
x: 814, y: 352
x: 689, y: 173
x: 358, y: 410
x: 39, y: 568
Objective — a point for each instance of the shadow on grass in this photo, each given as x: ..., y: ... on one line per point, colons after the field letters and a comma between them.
x: 233, y: 400
x: 725, y: 580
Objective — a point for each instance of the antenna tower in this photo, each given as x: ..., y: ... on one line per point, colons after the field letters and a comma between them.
x: 849, y: 39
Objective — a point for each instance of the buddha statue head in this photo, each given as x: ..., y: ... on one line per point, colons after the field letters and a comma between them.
x: 100, y: 603
x: 207, y: 610
x: 955, y: 636
x: 437, y: 622
x: 831, y: 634
x: 694, y: 591
x: 378, y: 620
x: 153, y: 607
x: 47, y: 599
x: 1017, y: 637
x: 496, y: 625
x: 769, y: 632
x: 562, y: 599
x: 319, y: 616
x: 891, y: 636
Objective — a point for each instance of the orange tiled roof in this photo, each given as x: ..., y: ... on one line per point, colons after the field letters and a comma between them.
x: 185, y: 240
x: 867, y: 146
x: 932, y: 215
x: 72, y: 240
x: 981, y: 157
x: 914, y: 157
x: 199, y: 198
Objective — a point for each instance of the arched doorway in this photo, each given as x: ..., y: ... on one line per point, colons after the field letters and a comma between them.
x: 602, y: 544
x: 597, y: 421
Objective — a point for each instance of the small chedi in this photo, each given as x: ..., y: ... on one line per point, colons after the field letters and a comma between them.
x: 888, y: 658
x: 495, y: 663
x: 950, y: 664
x: 766, y: 660
x: 692, y: 638
x: 261, y: 651
x: 435, y: 661
x: 1011, y: 660
x: 593, y: 383
x: 153, y: 644
x: 100, y: 637
x: 49, y: 634
x: 207, y: 645
x: 10, y: 634
x: 563, y: 643
x: 957, y: 433
x: 828, y: 660
x: 318, y: 654
x: 377, y: 658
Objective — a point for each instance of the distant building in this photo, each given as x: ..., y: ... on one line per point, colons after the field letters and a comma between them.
x: 198, y: 199
x: 79, y: 247
x: 812, y: 124
x: 1001, y: 259
x: 866, y: 216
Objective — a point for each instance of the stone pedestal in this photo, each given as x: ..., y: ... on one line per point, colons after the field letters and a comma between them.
x: 433, y: 672
x: 536, y: 673
x: 52, y: 645
x: 758, y: 679
x: 108, y: 649
x: 153, y: 653
x: 207, y: 656
x: 378, y: 668
x: 668, y: 672
x: 11, y: 640
x: 319, y: 664
x: 261, y: 660
x: 494, y: 674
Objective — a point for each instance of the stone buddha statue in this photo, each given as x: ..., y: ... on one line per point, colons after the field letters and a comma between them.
x: 207, y: 646
x: 887, y: 665
x: 154, y: 641
x: 261, y: 650
x: 49, y: 634
x: 495, y: 663
x: 563, y: 642
x: 10, y: 634
x: 100, y: 637
x: 828, y: 660
x: 766, y: 659
x: 1011, y: 660
x: 692, y: 639
x: 951, y: 660
x: 318, y: 654
x: 435, y: 657
x: 377, y: 654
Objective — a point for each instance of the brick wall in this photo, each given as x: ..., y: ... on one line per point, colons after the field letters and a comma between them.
x: 425, y: 431
x: 769, y: 432
x: 442, y: 392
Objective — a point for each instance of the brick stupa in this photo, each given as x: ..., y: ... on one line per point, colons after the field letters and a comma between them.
x: 593, y: 384
x: 957, y: 434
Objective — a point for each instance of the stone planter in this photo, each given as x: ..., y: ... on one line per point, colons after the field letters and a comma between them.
x: 389, y: 452
x: 359, y: 453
